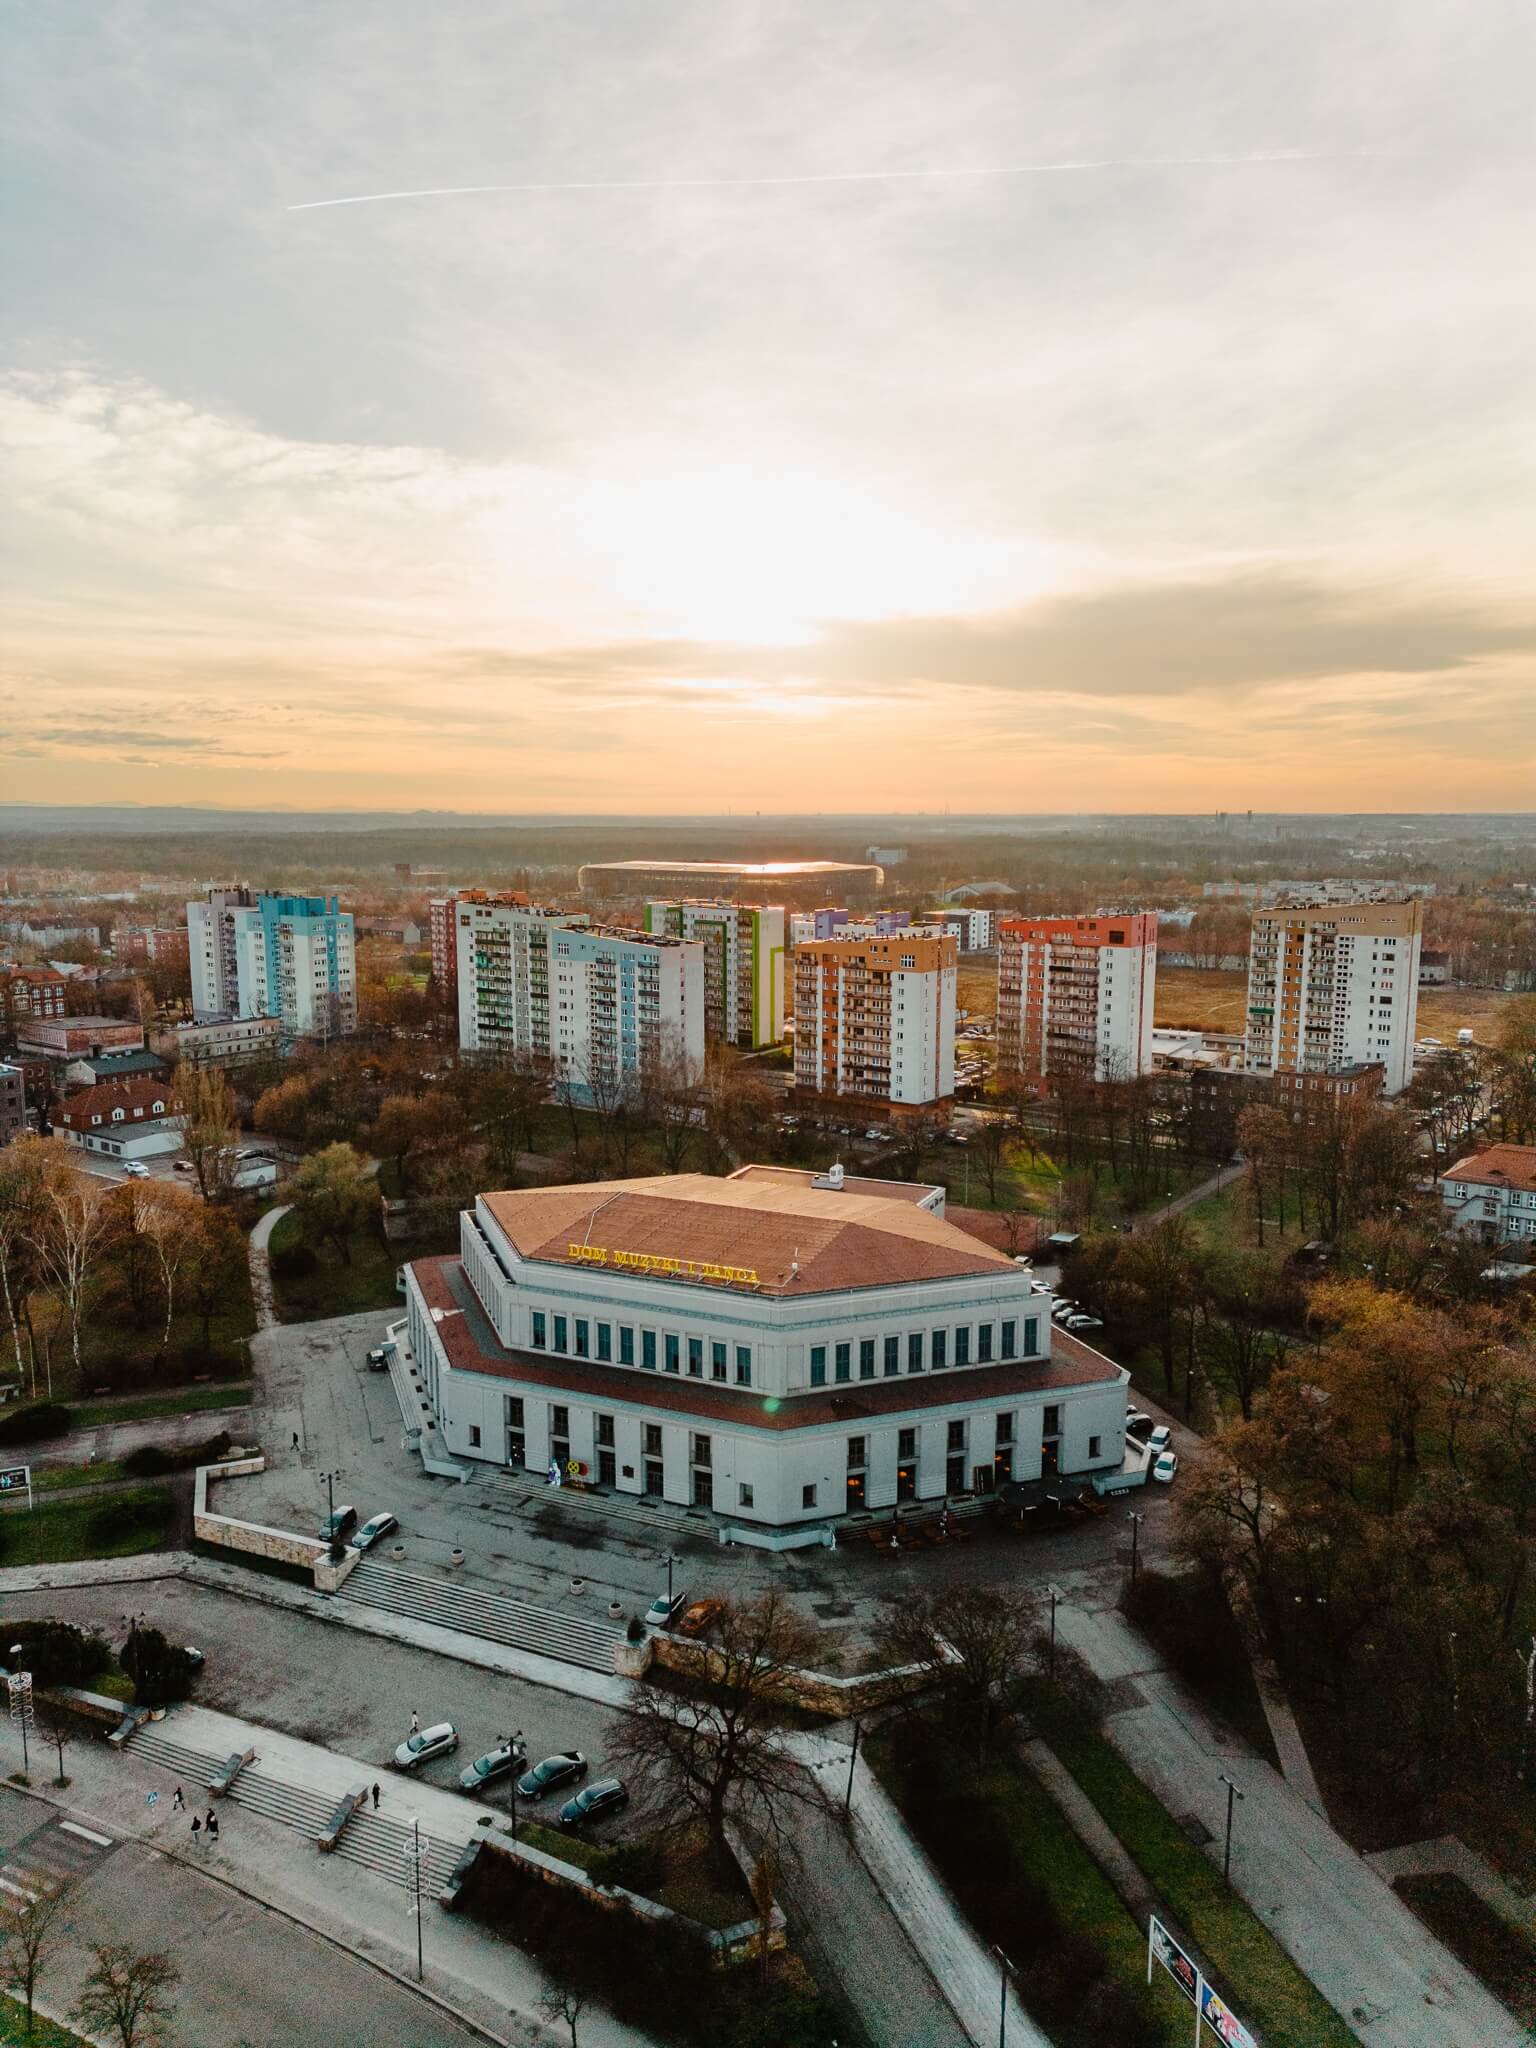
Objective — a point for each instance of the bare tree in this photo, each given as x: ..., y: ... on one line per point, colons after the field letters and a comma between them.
x: 40, y: 1926
x: 57, y: 1725
x: 127, y: 1995
x: 21, y: 1189
x: 167, y: 1217
x: 977, y: 1645
x: 563, y: 2007
x: 715, y: 1755
x: 73, y: 1217
x: 208, y: 1129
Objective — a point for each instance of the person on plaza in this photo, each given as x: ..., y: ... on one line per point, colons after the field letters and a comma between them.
x: 212, y: 1825
x: 415, y: 1724
x: 178, y: 1804
x: 375, y: 1797
x: 295, y: 1439
x: 197, y: 1830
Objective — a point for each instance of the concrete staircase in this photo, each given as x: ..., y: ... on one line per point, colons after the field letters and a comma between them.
x: 448, y: 1603
x: 368, y: 1838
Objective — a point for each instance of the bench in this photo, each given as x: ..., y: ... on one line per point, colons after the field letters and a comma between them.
x: 346, y: 1806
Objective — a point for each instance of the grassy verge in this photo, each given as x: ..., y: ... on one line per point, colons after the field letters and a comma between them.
x: 66, y: 1530
x: 61, y: 1478
x: 1026, y: 1882
x: 44, y: 2034
x: 333, y: 1288
x: 1499, y: 1954
x: 1187, y: 1616
x: 145, y: 1407
x: 1273, y: 1994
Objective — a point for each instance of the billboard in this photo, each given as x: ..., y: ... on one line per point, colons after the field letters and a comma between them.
x: 1162, y: 1948
x: 1222, y: 2021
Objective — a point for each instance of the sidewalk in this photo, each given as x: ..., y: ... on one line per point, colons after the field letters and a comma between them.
x: 489, y: 1984
x: 261, y: 1264
x: 1338, y: 1920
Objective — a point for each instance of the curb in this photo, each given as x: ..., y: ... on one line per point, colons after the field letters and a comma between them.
x: 384, y: 1969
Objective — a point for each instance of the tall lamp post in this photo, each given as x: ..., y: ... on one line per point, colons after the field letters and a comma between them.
x: 1055, y: 1593
x: 512, y: 1742
x: 671, y: 1561
x: 1006, y: 1969
x: 1136, y: 1522
x: 1233, y: 1792
x: 330, y: 1479
x: 853, y: 1757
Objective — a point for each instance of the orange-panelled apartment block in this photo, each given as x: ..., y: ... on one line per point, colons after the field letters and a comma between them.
x: 1074, y: 995
x: 875, y: 1018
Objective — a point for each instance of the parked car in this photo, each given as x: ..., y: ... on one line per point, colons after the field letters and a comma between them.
x: 181, y: 1165
x: 1137, y: 1422
x: 697, y: 1617
x: 603, y: 1795
x: 664, y: 1609
x: 336, y: 1525
x: 1082, y: 1322
x: 1166, y: 1466
x: 135, y: 1169
x: 378, y: 1360
x: 1061, y: 1308
x: 568, y: 1768
x: 496, y: 1763
x: 441, y: 1739
x: 374, y: 1530
x: 1161, y: 1438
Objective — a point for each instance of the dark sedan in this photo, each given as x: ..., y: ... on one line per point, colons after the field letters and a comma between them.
x: 569, y: 1768
x: 496, y: 1763
x: 602, y: 1796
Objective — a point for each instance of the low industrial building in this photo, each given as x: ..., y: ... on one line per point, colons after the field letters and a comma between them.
x: 223, y: 1041
x: 73, y: 1038
x: 778, y: 1348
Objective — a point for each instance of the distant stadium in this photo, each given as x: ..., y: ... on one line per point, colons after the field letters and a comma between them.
x: 728, y: 878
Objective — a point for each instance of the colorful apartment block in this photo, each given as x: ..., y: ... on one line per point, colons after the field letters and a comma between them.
x: 743, y: 964
x: 1334, y: 985
x: 1075, y: 994
x: 875, y: 1018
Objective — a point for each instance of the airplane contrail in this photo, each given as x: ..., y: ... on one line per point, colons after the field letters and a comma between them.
x: 1106, y: 163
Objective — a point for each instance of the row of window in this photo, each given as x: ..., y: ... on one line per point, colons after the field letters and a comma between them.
x: 576, y: 1337
x: 926, y: 1349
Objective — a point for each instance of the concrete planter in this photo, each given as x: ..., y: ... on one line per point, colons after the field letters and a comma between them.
x: 578, y: 1585
x: 398, y: 1552
x: 615, y: 1610
x: 456, y: 1558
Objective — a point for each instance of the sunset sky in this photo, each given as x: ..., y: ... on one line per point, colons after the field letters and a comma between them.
x: 1152, y: 486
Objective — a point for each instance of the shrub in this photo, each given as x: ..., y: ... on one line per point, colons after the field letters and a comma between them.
x: 150, y: 1461
x: 295, y: 1262
x: 634, y: 1866
x: 161, y: 1670
x: 58, y: 1653
x: 31, y: 1425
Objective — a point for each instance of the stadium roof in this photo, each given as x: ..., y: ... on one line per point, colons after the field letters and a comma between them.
x: 734, y: 870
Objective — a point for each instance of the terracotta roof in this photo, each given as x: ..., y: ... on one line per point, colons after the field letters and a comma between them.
x: 471, y: 1345
x: 759, y: 1237
x: 853, y: 1183
x: 991, y: 1226
x: 136, y: 1099
x: 1501, y: 1166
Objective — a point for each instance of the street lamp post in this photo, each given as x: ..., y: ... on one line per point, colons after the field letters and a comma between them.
x: 671, y: 1561
x: 1055, y: 1596
x: 1233, y: 1793
x: 512, y: 1742
x: 1136, y: 1522
x: 1006, y: 1969
x: 853, y: 1758
x: 416, y: 1890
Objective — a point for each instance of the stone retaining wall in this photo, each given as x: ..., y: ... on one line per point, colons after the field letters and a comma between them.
x: 256, y: 1539
x: 822, y: 1692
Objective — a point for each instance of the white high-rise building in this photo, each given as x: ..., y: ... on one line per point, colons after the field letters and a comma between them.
x: 600, y: 1003
x: 1075, y: 995
x: 271, y: 955
x: 1334, y: 985
x: 743, y: 964
x: 876, y: 1017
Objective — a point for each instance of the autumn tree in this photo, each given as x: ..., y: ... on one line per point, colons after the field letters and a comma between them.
x: 1250, y: 1315
x: 212, y: 1267
x: 715, y: 1755
x: 976, y: 1648
x: 128, y: 1995
x: 334, y: 1196
x: 993, y: 1144
x: 166, y: 1218
x: 39, y: 1927
x: 407, y: 1124
x: 21, y: 1199
x: 73, y: 1218
x: 209, y: 1128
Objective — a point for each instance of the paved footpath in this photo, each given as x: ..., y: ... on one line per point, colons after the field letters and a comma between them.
x: 1339, y: 1921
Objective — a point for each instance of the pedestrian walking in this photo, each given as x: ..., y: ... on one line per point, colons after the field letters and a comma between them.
x: 295, y: 1439
x: 415, y: 1724
x: 197, y: 1830
x: 178, y: 1804
x: 375, y: 1797
x: 212, y: 1825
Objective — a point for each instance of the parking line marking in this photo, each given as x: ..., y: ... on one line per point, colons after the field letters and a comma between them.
x: 74, y: 1828
x: 19, y: 1889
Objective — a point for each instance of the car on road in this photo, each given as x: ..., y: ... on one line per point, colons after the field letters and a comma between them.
x: 441, y: 1739
x: 569, y: 1767
x: 1161, y: 1439
x: 603, y: 1795
x: 135, y: 1169
x: 374, y: 1530
x: 697, y: 1617
x: 1137, y: 1422
x: 181, y: 1165
x: 496, y: 1763
x: 664, y: 1609
x: 1166, y: 1466
x: 1082, y: 1322
x: 336, y: 1525
x: 377, y: 1359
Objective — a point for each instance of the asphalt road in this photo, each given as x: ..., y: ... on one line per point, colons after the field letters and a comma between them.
x: 250, y: 1978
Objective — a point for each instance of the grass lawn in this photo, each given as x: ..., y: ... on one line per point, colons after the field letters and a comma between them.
x: 61, y: 1478
x: 1083, y: 1900
x: 1269, y: 1990
x: 61, y: 1532
x: 142, y: 1407
x: 336, y: 1289
x: 1503, y: 1957
x: 44, y: 2034
x: 1224, y: 1224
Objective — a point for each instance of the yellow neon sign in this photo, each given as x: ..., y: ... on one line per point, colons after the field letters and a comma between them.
x: 651, y: 1262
